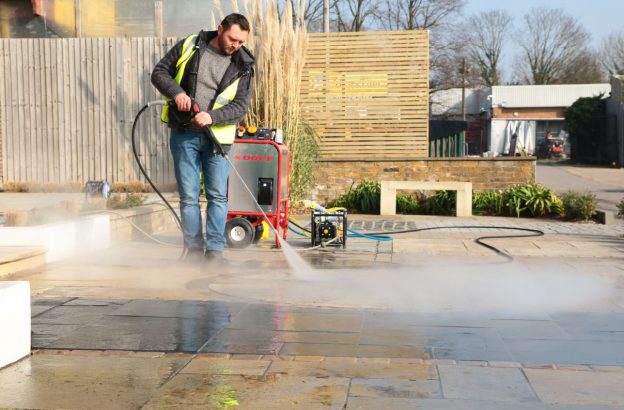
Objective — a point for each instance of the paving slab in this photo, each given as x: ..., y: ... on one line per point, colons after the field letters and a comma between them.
x: 140, y: 333
x: 211, y: 365
x: 566, y: 351
x: 474, y: 383
x: 565, y: 387
x: 272, y: 392
x: 374, y: 403
x: 444, y: 323
x: 359, y: 369
x: 404, y: 389
x: 84, y: 382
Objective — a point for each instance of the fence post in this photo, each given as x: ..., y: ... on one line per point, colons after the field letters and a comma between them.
x: 78, y: 19
x: 158, y: 18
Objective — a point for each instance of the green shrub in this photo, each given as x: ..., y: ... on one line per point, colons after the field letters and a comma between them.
x: 363, y: 198
x: 531, y: 199
x: 366, y: 198
x: 528, y: 199
x: 620, y: 207
x: 487, y: 203
x: 579, y: 116
x: 408, y: 204
x: 304, y: 154
x: 117, y: 201
x: 440, y: 203
x: 579, y: 206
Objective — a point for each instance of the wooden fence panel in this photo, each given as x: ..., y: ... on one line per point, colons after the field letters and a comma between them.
x: 67, y: 107
x: 366, y: 94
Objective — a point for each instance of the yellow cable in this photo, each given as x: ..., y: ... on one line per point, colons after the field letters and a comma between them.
x: 307, y: 234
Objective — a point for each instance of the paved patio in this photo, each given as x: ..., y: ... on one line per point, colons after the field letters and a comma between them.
x: 428, y: 320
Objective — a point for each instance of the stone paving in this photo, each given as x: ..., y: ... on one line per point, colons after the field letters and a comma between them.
x: 429, y: 320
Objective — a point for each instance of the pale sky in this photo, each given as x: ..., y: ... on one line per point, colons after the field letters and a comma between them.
x: 599, y: 17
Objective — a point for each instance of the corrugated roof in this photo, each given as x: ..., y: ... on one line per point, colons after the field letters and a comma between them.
x: 526, y: 96
x: 446, y: 102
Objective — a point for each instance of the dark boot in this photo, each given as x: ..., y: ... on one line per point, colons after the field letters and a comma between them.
x: 215, y: 257
x: 194, y: 255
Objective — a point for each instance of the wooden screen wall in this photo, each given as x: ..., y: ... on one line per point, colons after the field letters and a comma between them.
x: 366, y: 94
x: 67, y: 107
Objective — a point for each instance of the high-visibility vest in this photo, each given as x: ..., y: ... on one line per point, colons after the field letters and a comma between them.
x: 224, y: 133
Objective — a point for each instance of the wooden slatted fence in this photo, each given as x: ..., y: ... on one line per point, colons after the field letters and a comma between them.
x: 366, y: 94
x: 67, y: 107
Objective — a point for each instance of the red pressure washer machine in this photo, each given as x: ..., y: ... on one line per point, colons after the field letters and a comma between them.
x: 263, y: 162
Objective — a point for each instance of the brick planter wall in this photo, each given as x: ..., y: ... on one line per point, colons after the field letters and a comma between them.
x: 334, y: 178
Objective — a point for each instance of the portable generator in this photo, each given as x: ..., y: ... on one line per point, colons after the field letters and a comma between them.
x: 263, y: 163
x: 328, y: 227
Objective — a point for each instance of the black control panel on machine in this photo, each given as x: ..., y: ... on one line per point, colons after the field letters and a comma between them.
x: 253, y: 133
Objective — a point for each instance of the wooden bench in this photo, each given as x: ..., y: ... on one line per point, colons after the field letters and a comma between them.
x: 389, y: 190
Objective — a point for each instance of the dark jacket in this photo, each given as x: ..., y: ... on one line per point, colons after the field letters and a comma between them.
x: 242, y: 65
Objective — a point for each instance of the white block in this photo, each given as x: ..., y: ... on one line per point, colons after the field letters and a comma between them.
x: 14, y: 321
x: 62, y: 239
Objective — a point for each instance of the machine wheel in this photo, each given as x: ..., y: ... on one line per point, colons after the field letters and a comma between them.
x: 239, y: 232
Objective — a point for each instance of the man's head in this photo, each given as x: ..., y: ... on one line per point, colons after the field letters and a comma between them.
x: 232, y: 33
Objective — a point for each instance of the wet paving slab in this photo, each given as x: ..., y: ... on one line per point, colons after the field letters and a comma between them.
x: 283, y: 330
x: 54, y: 381
x: 374, y: 329
x: 51, y: 379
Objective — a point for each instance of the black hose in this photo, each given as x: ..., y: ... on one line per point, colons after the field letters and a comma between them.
x: 143, y: 171
x: 479, y: 240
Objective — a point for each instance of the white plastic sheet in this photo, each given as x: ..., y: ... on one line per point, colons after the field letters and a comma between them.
x: 525, y: 143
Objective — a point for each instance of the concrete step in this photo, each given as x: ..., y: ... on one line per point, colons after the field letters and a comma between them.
x: 15, y: 259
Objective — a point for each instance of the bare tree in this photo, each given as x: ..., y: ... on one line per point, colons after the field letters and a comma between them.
x: 486, y: 34
x: 351, y: 15
x: 612, y: 53
x: 447, y: 68
x: 313, y: 14
x: 551, y: 43
x: 437, y: 16
x: 586, y: 69
x: 417, y: 14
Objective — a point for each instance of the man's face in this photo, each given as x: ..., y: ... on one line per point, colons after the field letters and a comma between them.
x: 231, y: 39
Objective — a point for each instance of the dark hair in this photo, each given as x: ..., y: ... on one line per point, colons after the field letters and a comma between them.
x: 235, y: 18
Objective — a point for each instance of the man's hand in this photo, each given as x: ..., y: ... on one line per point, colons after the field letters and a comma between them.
x: 183, y: 102
x: 202, y: 119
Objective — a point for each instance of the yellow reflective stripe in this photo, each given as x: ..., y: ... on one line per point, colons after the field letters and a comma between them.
x: 225, y: 134
x: 164, y: 113
x: 188, y: 49
x: 226, y: 95
x: 187, y: 53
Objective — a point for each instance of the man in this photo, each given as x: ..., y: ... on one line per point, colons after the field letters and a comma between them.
x: 214, y: 70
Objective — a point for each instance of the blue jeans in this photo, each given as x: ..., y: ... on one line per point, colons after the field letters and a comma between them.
x: 192, y: 150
